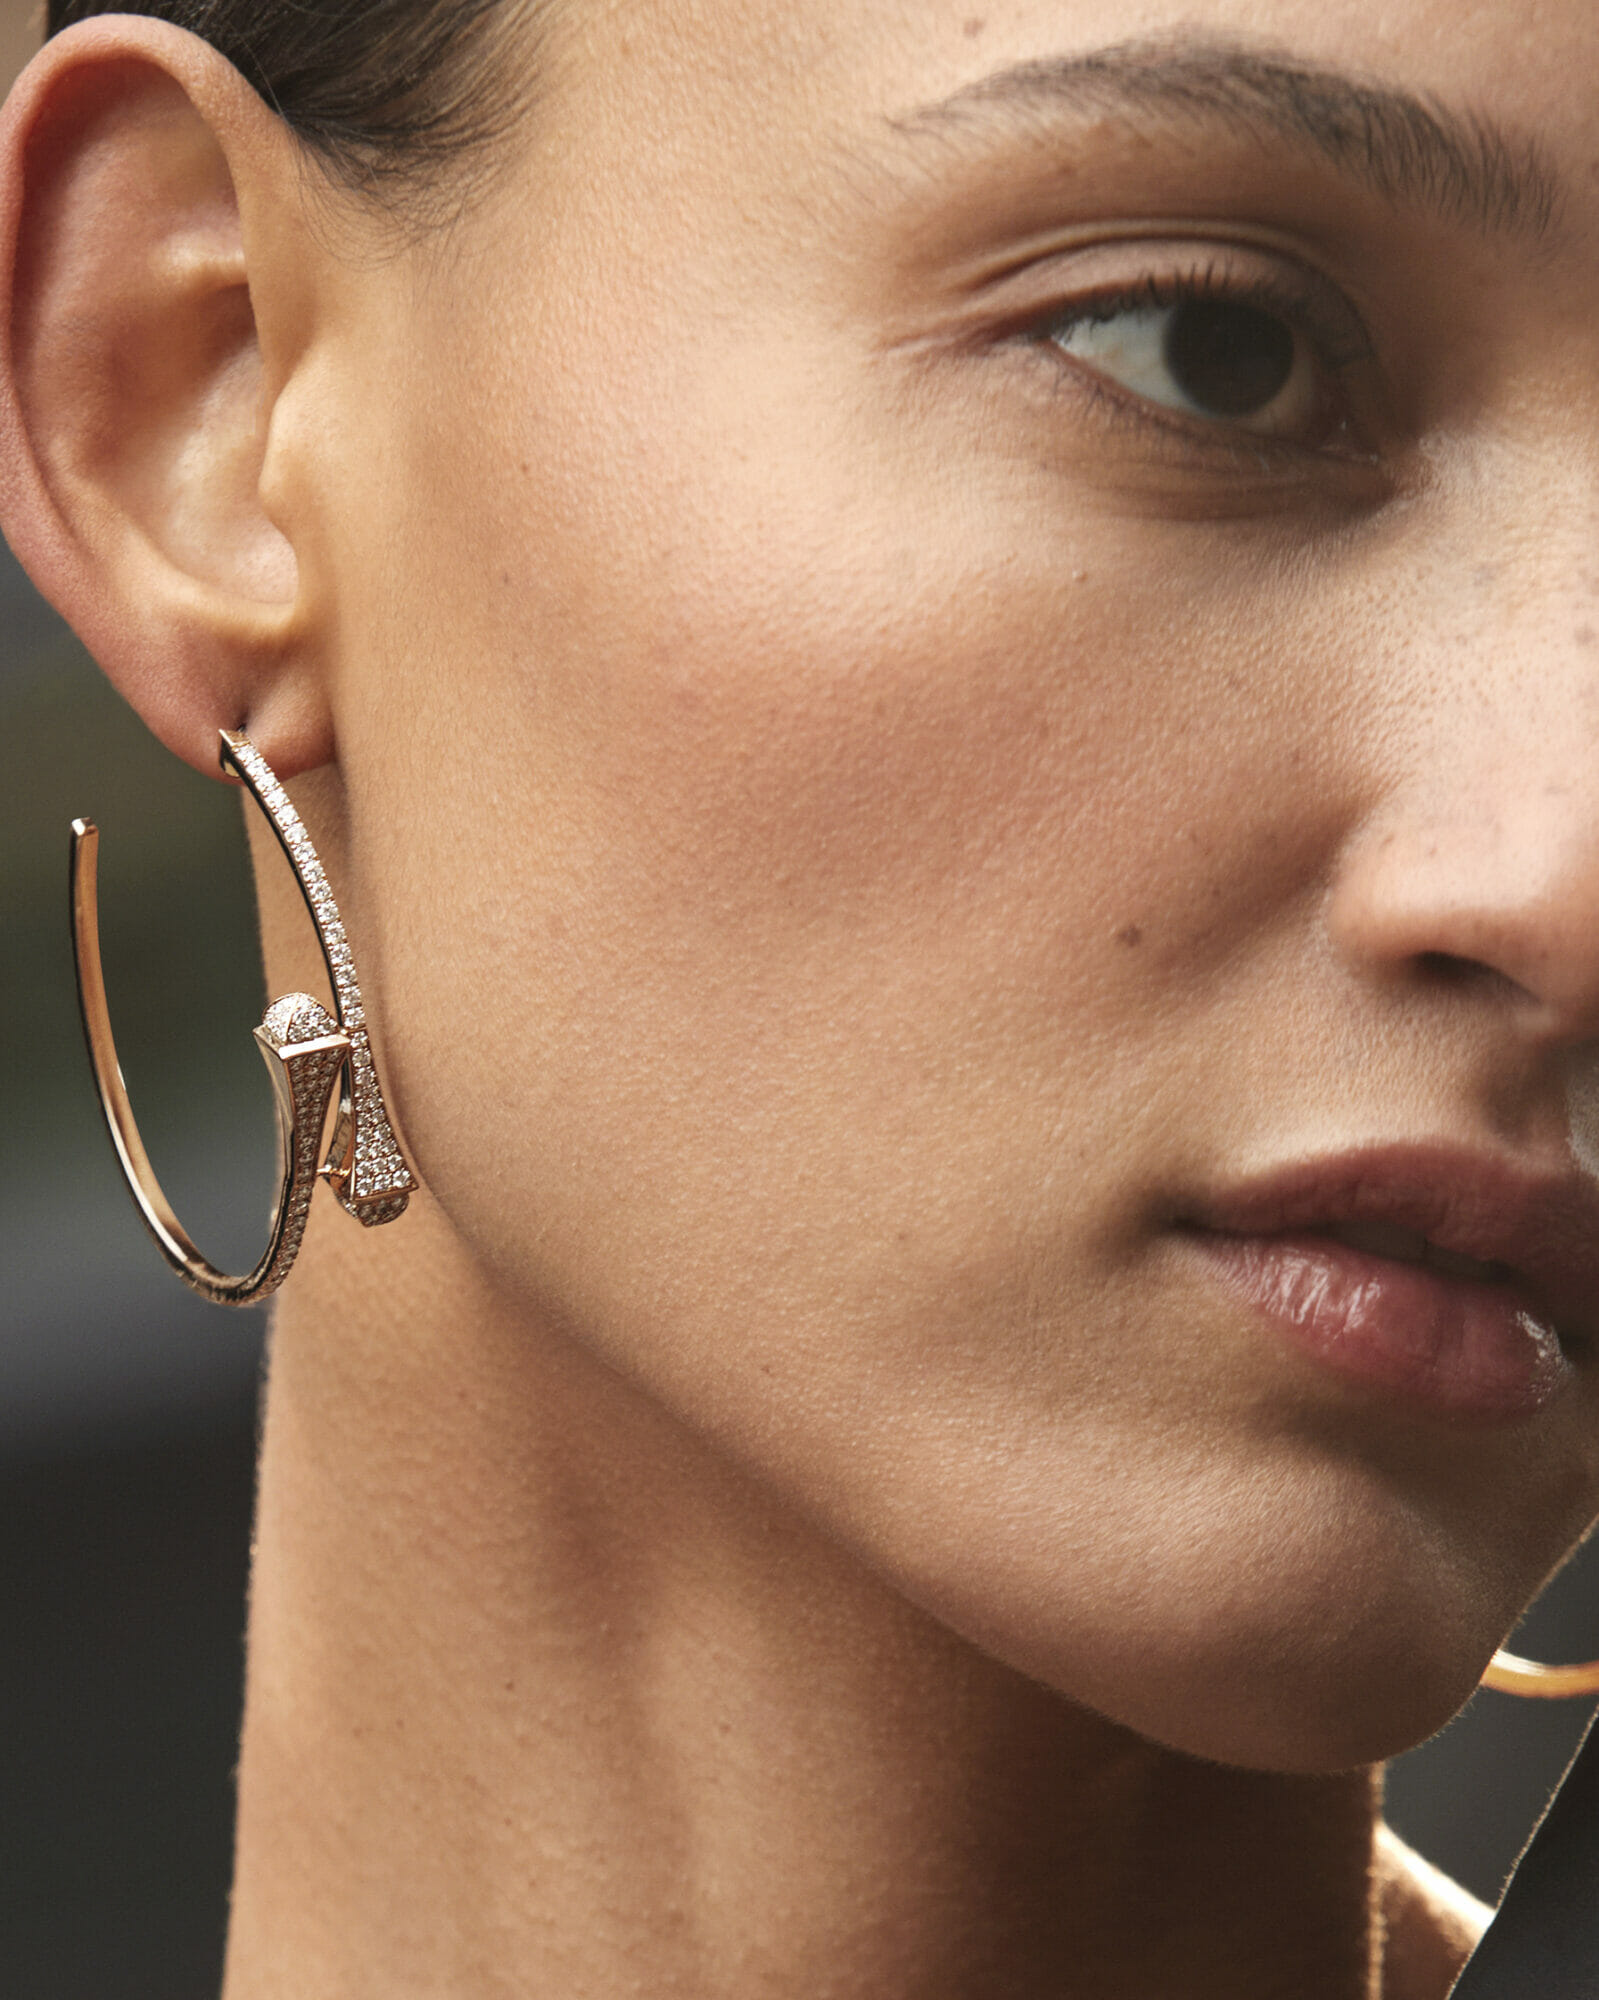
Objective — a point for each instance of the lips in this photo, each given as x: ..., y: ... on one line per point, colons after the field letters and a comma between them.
x: 1448, y: 1277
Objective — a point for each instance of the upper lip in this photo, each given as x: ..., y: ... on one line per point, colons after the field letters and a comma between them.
x: 1543, y: 1225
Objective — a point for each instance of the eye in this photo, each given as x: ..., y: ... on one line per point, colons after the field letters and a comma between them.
x: 1223, y: 361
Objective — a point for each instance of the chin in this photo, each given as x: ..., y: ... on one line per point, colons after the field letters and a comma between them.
x: 1272, y: 1699
x: 1308, y: 1626
x: 1351, y: 1706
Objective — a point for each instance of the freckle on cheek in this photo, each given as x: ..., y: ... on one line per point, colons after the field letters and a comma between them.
x: 1130, y: 934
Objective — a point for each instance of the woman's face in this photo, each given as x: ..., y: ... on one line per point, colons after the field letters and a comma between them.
x: 969, y: 685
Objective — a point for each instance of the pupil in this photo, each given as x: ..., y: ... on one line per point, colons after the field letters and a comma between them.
x: 1230, y: 360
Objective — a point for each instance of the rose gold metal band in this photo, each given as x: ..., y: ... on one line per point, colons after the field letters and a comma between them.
x: 1512, y: 1675
x: 308, y: 1053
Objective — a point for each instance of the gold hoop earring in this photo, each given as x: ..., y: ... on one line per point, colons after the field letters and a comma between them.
x: 1510, y: 1674
x: 307, y: 1052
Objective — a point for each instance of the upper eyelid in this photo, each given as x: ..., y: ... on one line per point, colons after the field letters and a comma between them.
x: 1340, y: 331
x: 1056, y: 277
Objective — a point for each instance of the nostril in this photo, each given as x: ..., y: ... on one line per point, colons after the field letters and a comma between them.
x: 1446, y: 971
x: 1489, y: 900
x: 1442, y: 968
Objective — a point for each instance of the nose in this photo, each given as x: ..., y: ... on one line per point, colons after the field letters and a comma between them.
x: 1481, y: 864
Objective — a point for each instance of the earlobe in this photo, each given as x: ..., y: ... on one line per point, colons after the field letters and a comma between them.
x: 135, y: 404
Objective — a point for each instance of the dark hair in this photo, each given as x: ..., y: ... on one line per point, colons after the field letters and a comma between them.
x: 388, y: 94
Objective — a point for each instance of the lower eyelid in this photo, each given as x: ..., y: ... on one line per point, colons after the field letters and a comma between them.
x: 1197, y: 443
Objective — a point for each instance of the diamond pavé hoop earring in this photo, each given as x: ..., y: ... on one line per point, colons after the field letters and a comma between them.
x: 307, y: 1052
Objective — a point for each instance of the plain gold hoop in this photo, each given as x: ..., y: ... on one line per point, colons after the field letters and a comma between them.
x: 308, y: 1053
x: 1510, y: 1674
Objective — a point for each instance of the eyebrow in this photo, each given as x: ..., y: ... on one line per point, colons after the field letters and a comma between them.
x: 1407, y: 148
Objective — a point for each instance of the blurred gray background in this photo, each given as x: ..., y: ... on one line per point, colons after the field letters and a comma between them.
x: 127, y: 1407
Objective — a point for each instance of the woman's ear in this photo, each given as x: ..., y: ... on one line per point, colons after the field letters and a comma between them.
x: 154, y: 259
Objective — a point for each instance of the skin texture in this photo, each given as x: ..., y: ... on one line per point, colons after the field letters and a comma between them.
x: 850, y: 827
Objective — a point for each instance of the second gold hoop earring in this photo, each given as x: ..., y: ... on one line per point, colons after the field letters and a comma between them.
x: 308, y: 1052
x: 1509, y: 1674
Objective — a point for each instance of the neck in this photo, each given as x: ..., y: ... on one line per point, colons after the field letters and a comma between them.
x: 544, y: 1698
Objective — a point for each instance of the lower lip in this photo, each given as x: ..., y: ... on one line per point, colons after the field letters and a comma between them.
x: 1472, y: 1351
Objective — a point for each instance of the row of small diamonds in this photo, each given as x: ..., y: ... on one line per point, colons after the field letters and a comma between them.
x: 311, y: 1078
x: 378, y: 1167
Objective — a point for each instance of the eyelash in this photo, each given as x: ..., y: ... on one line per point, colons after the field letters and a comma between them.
x: 1337, y: 338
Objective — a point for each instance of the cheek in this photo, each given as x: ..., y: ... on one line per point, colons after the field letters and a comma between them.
x: 807, y: 724
x: 820, y: 890
x: 782, y: 694
x: 822, y: 853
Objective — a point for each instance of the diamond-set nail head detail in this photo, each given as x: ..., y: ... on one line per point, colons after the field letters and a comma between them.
x: 297, y: 1018
x: 371, y: 1178
x: 313, y: 1049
